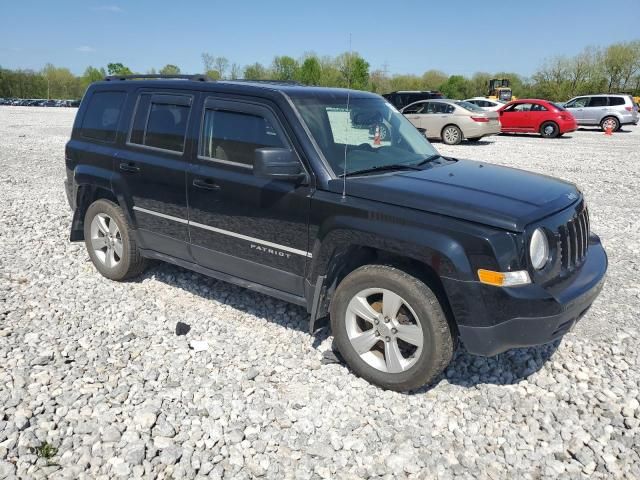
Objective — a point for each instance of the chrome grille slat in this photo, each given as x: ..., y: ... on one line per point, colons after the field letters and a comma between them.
x: 573, y: 241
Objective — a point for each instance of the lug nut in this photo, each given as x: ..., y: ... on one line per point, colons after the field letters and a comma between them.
x: 376, y: 321
x: 394, y: 330
x: 387, y: 339
x: 377, y: 333
x: 386, y: 319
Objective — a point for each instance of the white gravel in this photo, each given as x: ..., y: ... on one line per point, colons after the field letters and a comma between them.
x: 95, y: 383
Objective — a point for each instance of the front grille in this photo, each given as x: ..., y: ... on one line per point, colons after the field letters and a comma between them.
x: 574, y: 240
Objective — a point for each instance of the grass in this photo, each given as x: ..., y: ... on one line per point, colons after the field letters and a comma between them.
x: 46, y: 451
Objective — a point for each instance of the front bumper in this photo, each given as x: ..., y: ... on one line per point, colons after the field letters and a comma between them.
x: 530, y: 315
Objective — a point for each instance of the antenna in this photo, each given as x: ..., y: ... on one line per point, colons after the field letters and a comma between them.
x: 344, y: 169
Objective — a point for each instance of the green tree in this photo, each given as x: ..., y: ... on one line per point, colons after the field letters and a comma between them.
x: 92, y: 74
x: 255, y: 71
x: 457, y: 87
x: 432, y: 79
x: 354, y: 70
x: 284, y: 68
x: 170, y: 69
x: 310, y: 71
x: 118, y: 69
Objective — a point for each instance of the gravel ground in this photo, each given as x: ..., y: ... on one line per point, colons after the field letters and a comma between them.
x: 95, y: 383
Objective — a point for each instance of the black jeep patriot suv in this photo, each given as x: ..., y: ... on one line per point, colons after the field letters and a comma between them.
x: 272, y: 187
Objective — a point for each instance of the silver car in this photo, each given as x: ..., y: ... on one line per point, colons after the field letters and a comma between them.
x: 452, y: 120
x: 606, y: 110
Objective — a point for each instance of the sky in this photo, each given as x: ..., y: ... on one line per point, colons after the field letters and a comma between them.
x: 401, y: 36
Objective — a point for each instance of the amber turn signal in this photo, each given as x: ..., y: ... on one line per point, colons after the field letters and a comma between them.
x: 504, y: 279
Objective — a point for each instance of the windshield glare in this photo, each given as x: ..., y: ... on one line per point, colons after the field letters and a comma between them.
x: 469, y: 106
x: 373, y: 133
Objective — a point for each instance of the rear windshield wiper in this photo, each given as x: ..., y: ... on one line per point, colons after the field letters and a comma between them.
x: 382, y: 168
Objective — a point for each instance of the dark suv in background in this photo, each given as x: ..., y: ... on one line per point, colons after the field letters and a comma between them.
x: 274, y: 188
x: 402, y: 98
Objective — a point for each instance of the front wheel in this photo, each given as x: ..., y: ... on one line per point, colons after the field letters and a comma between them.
x: 549, y: 130
x: 451, y: 135
x: 110, y: 243
x: 390, y: 328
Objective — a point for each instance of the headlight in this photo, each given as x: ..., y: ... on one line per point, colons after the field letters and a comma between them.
x: 539, y: 249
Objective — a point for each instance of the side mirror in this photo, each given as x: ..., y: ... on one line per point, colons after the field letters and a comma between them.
x: 277, y: 164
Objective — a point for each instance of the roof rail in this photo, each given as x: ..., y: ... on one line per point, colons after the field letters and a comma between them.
x: 272, y: 82
x: 195, y: 78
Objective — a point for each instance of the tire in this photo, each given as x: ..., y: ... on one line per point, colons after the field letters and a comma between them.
x: 549, y: 130
x: 420, y: 319
x: 385, y: 134
x: 613, y: 121
x: 451, y: 135
x: 118, y: 257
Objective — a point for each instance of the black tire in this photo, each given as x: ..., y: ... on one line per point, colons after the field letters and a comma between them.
x: 452, y: 138
x: 437, y: 337
x: 385, y: 134
x: 130, y: 263
x: 549, y: 130
x: 615, y: 123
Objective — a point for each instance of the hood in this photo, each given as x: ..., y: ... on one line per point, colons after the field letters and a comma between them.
x: 479, y: 192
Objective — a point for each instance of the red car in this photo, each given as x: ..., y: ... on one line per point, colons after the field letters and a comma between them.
x: 536, y: 116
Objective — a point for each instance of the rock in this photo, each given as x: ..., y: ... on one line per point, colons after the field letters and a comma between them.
x: 170, y: 455
x: 199, y: 345
x: 134, y: 453
x: 7, y: 469
x: 144, y: 419
x: 251, y: 373
x: 111, y: 434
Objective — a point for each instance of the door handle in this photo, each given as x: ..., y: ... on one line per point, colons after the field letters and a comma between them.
x: 206, y: 183
x: 129, y: 167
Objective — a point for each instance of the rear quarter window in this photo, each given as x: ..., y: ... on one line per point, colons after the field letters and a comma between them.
x: 613, y: 101
x: 101, y: 118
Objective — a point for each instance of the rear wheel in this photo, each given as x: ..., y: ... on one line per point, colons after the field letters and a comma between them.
x: 610, y: 122
x: 451, y: 135
x: 390, y: 328
x: 110, y: 243
x: 549, y: 130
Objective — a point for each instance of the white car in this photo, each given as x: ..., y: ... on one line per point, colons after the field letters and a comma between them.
x: 486, y: 103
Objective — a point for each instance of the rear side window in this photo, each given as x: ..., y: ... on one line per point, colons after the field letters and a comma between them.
x: 100, y: 120
x: 234, y: 136
x: 616, y: 101
x: 598, y: 102
x: 161, y: 121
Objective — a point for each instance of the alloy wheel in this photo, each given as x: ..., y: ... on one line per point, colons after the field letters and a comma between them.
x: 451, y: 135
x: 384, y: 330
x: 106, y: 240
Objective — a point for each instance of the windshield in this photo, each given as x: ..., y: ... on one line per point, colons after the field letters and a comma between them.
x: 469, y: 106
x: 371, y: 131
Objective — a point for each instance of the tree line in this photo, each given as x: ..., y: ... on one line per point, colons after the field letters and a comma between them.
x: 615, y: 68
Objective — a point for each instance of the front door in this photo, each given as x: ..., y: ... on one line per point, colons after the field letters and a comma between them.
x: 151, y: 171
x: 516, y: 118
x: 578, y: 109
x: 242, y: 225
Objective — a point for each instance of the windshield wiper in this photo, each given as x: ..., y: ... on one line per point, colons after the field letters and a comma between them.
x: 429, y: 159
x: 382, y: 168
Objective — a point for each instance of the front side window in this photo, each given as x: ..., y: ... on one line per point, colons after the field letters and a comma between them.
x: 339, y: 127
x: 578, y: 103
x: 520, y: 107
x: 100, y: 121
x: 234, y: 136
x: 161, y: 122
x: 415, y: 108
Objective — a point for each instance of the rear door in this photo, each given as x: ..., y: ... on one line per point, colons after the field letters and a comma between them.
x: 596, y: 110
x: 252, y: 228
x: 150, y: 172
x: 435, y: 116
